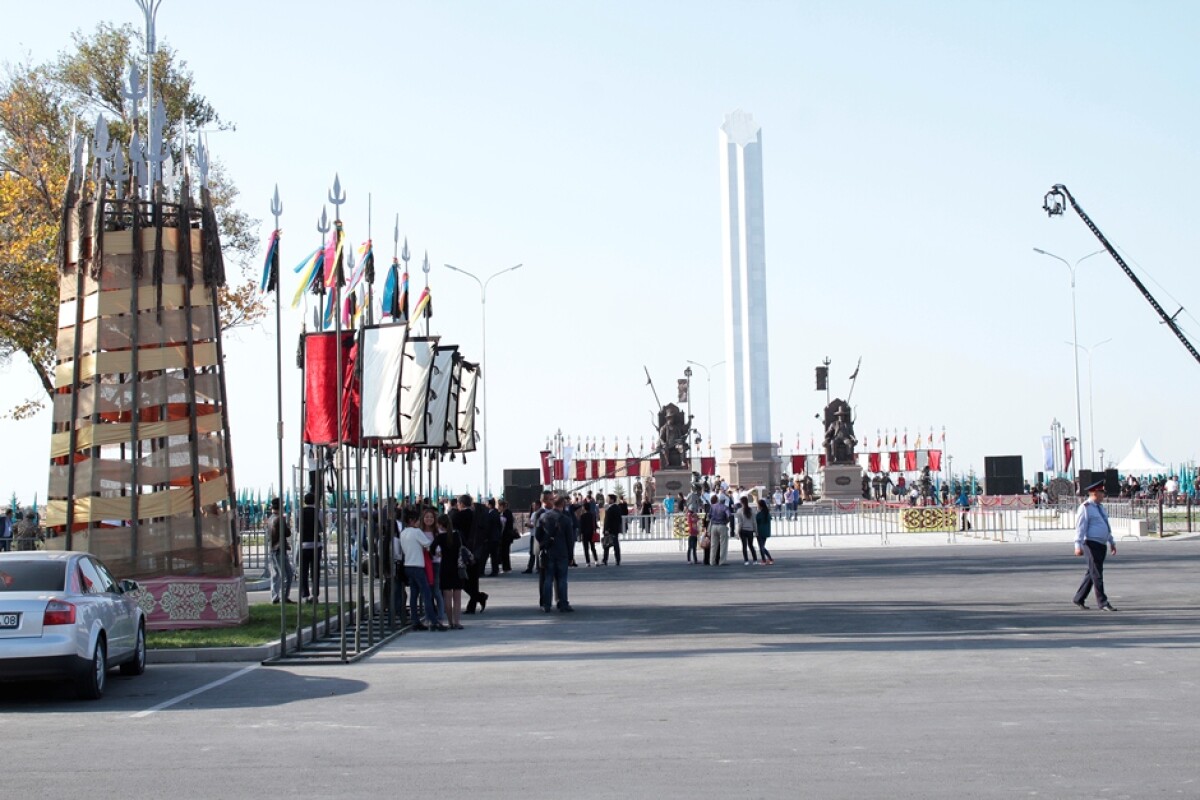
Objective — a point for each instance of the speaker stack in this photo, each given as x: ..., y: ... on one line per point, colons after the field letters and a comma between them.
x: 522, y: 488
x: 1003, y: 475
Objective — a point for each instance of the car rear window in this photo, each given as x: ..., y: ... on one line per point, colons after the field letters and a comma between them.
x: 32, y: 576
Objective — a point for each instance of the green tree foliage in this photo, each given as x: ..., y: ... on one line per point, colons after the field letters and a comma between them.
x: 39, y: 104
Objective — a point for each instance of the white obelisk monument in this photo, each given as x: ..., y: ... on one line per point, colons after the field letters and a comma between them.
x: 751, y: 458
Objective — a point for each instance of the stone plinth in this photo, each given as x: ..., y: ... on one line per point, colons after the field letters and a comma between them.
x: 671, y: 481
x: 841, y: 482
x: 751, y: 465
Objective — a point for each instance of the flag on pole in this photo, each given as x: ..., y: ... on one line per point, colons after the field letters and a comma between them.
x: 270, y: 277
x: 308, y: 269
x: 424, y: 306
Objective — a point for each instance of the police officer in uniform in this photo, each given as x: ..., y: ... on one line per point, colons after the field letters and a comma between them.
x: 1093, y: 537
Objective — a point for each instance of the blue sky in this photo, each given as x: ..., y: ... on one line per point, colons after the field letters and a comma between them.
x: 907, y: 148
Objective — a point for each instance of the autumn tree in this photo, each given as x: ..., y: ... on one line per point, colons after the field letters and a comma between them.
x: 39, y: 104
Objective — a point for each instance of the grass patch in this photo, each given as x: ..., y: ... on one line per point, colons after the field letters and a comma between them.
x: 262, y: 628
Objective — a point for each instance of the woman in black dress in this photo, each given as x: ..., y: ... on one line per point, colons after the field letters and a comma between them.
x: 450, y: 543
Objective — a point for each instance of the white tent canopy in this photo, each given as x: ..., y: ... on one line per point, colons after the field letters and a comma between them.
x: 1140, y: 461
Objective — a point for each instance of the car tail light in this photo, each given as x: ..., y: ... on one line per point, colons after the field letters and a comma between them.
x: 59, y: 612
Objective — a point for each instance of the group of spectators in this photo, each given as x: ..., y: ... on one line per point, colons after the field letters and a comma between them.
x: 434, y: 555
x: 20, y: 531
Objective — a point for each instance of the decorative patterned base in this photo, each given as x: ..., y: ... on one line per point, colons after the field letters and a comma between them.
x: 176, y: 602
x: 929, y: 520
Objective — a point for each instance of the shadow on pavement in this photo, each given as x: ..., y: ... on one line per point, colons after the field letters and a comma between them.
x: 260, y: 688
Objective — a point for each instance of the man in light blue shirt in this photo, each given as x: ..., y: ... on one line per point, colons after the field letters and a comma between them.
x: 1093, y: 535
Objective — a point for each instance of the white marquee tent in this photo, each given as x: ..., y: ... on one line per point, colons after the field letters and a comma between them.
x: 1140, y: 461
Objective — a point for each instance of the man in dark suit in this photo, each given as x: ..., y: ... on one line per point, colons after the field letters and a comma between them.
x: 556, y: 538
x: 473, y: 525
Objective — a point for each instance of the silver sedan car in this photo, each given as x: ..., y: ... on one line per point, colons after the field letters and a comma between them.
x: 63, y: 615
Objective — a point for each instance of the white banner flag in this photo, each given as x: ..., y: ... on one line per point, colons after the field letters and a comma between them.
x: 414, y: 388
x: 383, y: 353
x: 438, y: 408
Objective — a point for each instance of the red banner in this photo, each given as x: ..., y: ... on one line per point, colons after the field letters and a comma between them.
x: 610, y: 467
x: 581, y: 470
x: 321, y: 385
x: 632, y: 467
x: 910, y: 460
x: 1067, y: 453
x: 654, y: 464
x: 798, y: 464
x: 873, y: 462
x: 545, y: 467
x: 821, y: 459
x: 935, y: 460
x: 708, y: 465
x: 559, y: 470
x: 893, y: 462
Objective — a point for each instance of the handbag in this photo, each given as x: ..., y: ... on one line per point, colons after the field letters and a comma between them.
x: 596, y: 537
x: 705, y: 541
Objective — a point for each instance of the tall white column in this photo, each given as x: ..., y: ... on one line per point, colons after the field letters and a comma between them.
x: 744, y: 274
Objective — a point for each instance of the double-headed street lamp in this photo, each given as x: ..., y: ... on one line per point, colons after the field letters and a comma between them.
x: 708, y: 382
x: 1074, y: 331
x: 483, y: 361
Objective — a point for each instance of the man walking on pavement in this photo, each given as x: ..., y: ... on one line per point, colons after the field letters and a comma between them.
x: 556, y: 539
x: 282, y: 573
x: 1093, y: 535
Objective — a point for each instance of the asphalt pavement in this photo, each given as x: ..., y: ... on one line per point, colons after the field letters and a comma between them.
x: 952, y: 671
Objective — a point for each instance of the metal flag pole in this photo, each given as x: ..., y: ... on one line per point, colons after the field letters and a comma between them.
x: 319, y: 487
x: 273, y: 285
x: 337, y: 197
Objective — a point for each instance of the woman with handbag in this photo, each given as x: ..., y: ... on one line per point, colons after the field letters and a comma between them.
x: 451, y: 575
x: 433, y: 567
x: 693, y: 532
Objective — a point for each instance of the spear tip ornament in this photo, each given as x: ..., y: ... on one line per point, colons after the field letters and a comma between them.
x: 323, y: 222
x: 337, y: 196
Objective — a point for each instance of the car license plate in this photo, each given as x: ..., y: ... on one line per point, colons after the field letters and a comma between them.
x: 10, y: 621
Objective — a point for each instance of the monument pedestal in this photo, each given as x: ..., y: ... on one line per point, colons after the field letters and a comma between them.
x: 751, y: 465
x: 841, y: 482
x: 671, y: 481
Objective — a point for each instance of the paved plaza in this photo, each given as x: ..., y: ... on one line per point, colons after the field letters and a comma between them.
x: 952, y: 671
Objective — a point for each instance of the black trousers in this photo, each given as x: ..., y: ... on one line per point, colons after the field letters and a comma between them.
x: 471, y: 585
x: 494, y: 554
x: 310, y: 569
x: 615, y: 547
x: 747, y: 542
x: 1094, y: 579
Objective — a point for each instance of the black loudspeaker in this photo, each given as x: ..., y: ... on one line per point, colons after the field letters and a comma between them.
x: 1003, y: 475
x: 1084, y: 479
x: 520, y: 498
x: 1112, y: 483
x: 523, y: 477
x: 1041, y: 478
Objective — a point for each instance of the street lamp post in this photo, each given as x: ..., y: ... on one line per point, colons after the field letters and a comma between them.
x: 1074, y: 332
x: 1091, y: 404
x: 483, y: 360
x: 708, y: 387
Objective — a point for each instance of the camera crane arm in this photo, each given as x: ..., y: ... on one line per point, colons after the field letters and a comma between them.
x: 1054, y: 204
